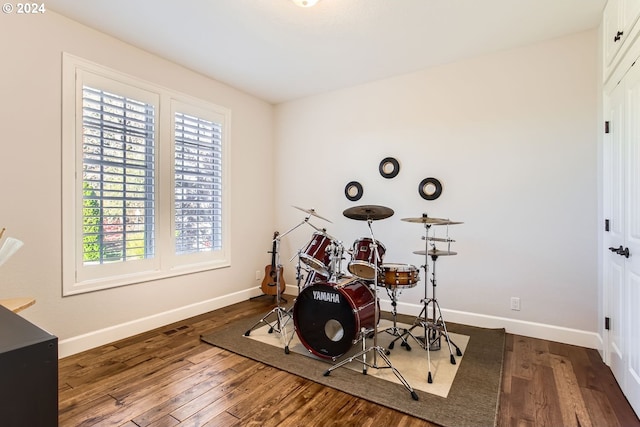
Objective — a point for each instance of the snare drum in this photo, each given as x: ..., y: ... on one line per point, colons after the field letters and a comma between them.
x: 315, y: 254
x: 399, y: 276
x: 362, y: 258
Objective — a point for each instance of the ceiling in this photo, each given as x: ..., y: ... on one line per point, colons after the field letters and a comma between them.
x: 278, y: 51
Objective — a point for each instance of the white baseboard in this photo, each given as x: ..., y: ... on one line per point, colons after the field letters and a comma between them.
x: 513, y: 326
x: 73, y: 345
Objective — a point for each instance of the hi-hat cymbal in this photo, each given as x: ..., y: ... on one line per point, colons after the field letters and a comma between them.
x: 436, y: 252
x: 368, y: 212
x: 311, y: 212
x: 439, y: 239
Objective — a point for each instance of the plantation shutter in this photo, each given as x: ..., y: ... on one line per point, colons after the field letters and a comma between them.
x: 198, y: 184
x: 118, y: 177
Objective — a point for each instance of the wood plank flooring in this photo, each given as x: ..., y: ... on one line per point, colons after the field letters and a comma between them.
x: 167, y: 377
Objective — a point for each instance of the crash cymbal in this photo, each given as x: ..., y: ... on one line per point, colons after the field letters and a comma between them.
x: 435, y: 252
x: 368, y: 212
x: 311, y: 212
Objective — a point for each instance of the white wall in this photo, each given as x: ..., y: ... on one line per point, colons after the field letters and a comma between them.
x: 512, y: 138
x: 30, y: 186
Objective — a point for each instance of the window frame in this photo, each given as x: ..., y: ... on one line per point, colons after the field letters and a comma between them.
x: 78, y: 278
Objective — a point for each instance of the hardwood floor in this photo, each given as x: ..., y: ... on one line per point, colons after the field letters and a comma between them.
x: 167, y: 377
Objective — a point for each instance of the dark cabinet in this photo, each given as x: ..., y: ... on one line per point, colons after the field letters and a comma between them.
x: 28, y: 373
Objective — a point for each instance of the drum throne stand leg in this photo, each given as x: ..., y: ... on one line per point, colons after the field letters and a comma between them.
x: 375, y: 349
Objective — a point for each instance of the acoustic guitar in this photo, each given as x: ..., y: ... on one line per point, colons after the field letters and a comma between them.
x: 273, y: 277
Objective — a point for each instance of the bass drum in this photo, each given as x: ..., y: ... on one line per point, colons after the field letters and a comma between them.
x: 328, y: 316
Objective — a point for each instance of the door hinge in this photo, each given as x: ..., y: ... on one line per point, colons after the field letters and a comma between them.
x: 606, y: 225
x: 606, y: 127
x: 607, y: 323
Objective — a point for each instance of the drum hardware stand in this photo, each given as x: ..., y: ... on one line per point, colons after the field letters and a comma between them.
x: 377, y: 350
x: 394, y: 330
x: 282, y: 315
x: 435, y: 328
x: 335, y: 266
x: 290, y: 310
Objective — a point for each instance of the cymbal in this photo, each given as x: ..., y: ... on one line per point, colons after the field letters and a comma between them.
x: 432, y: 221
x: 449, y: 222
x: 311, y: 212
x: 368, y: 212
x: 439, y: 239
x: 436, y: 252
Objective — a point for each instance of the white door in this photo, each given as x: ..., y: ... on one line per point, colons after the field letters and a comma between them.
x: 613, y: 267
x: 631, y: 243
x: 621, y: 264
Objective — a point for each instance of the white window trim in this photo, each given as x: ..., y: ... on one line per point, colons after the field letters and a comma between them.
x: 77, y: 278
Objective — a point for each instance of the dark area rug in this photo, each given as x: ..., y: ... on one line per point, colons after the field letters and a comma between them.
x: 472, y: 399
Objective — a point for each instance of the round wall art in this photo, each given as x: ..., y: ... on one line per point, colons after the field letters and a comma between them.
x: 389, y: 167
x: 353, y: 191
x: 430, y: 189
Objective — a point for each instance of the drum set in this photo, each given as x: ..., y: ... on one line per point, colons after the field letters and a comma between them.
x: 334, y: 310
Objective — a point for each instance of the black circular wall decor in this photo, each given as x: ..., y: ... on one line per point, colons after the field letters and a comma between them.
x: 353, y: 191
x: 430, y: 189
x: 389, y: 167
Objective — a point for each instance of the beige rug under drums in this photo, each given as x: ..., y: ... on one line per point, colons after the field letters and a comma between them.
x: 412, y: 365
x: 464, y: 394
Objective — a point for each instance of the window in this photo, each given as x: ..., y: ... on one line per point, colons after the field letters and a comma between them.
x: 144, y: 175
x: 198, y: 184
x: 118, y: 178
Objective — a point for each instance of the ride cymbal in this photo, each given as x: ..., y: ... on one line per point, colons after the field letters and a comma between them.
x: 311, y: 212
x: 424, y: 220
x: 368, y: 212
x: 432, y: 221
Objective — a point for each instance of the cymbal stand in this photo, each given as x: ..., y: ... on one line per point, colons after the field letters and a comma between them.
x: 290, y: 310
x: 434, y: 328
x: 282, y: 316
x: 377, y: 350
x: 298, y: 279
x: 299, y: 273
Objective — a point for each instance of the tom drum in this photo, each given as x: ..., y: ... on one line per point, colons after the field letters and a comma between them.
x: 362, y: 262
x: 316, y: 255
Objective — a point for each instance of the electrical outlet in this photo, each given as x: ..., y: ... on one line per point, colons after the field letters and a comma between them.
x: 258, y: 275
x: 515, y: 303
